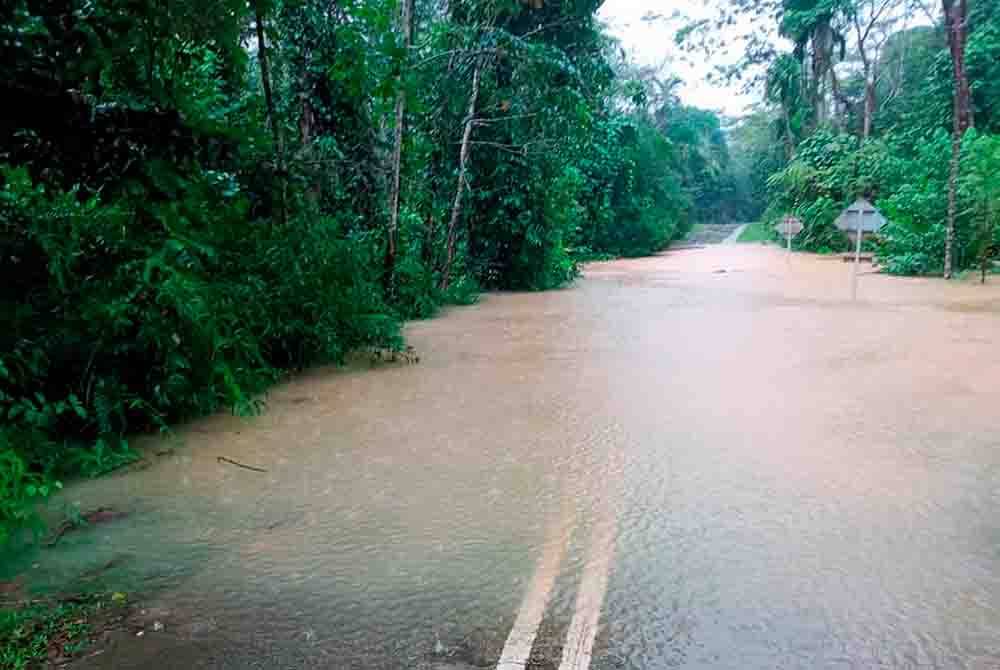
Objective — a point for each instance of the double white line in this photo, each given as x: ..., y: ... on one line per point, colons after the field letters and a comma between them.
x: 578, y: 648
x: 522, y: 636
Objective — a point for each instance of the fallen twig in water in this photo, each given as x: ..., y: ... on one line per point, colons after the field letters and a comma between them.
x: 99, y: 515
x: 223, y: 459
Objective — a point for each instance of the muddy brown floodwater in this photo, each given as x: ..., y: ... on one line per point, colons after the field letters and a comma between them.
x: 666, y: 465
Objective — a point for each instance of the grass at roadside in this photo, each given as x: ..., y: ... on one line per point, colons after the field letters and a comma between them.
x: 49, y: 633
x: 756, y: 232
x: 695, y: 229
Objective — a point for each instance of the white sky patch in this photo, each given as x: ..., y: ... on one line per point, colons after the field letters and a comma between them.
x: 652, y: 43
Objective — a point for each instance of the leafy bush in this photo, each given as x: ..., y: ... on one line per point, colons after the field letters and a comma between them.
x: 917, y: 205
x: 463, y: 291
x: 905, y: 251
x: 148, y: 309
x: 20, y: 490
x: 819, y: 232
x: 979, y: 191
x: 636, y: 204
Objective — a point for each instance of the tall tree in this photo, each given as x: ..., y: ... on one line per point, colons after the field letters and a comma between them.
x: 873, y: 21
x: 277, y: 132
x: 463, y: 166
x: 956, y: 17
x: 783, y: 87
x: 406, y: 30
x: 817, y: 29
x: 910, y: 93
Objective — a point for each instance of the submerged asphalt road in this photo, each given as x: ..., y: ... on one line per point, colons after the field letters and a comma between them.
x: 666, y: 465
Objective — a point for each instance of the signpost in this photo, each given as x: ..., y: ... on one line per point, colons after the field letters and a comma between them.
x: 791, y: 227
x: 861, y: 217
x: 859, y: 231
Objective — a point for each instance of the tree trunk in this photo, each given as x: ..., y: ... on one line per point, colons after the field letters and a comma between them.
x: 789, y: 139
x: 307, y: 126
x: 406, y: 24
x: 956, y: 16
x: 463, y: 161
x: 836, y: 118
x: 272, y: 120
x: 949, y: 238
x: 822, y: 55
x: 870, y: 102
x: 870, y: 90
x: 957, y: 21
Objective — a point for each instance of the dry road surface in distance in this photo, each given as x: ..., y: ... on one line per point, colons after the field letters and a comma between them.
x: 706, y: 459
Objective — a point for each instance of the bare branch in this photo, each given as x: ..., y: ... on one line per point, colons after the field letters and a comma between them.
x: 499, y: 119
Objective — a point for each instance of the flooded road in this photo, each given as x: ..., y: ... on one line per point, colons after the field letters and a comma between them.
x: 708, y: 459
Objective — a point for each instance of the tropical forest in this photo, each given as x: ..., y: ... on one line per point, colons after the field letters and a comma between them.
x: 452, y: 334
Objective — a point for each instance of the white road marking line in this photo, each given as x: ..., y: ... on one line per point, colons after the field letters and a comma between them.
x: 517, y: 650
x: 734, y: 236
x: 579, y: 646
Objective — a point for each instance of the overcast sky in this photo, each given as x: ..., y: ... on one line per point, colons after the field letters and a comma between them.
x: 652, y: 43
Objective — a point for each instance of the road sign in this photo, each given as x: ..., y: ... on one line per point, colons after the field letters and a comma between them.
x: 790, y: 226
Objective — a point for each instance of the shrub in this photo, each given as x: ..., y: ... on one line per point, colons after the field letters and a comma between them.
x: 159, y: 305
x: 905, y: 251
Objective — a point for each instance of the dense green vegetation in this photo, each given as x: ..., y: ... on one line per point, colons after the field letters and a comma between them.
x: 194, y: 203
x: 50, y: 633
x: 872, y: 101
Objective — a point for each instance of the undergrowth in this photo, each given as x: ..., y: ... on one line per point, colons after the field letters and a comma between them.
x: 43, y: 634
x: 115, y: 329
